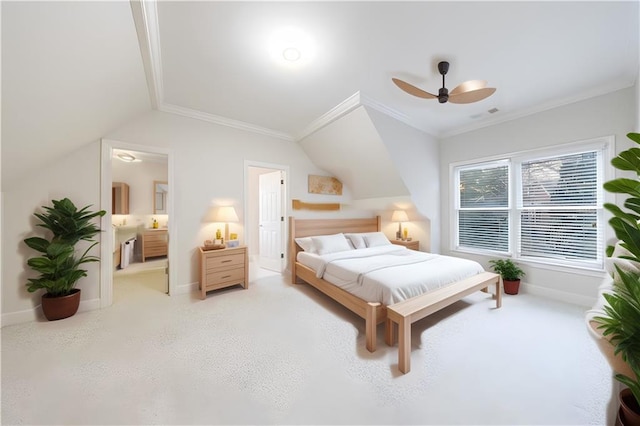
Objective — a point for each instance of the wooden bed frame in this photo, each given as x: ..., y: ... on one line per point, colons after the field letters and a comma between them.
x: 403, y: 313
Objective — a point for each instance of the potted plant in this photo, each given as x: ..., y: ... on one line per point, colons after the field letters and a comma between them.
x: 510, y: 273
x: 620, y: 324
x: 58, y: 265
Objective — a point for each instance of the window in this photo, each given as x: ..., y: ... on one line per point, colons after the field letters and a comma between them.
x: 544, y: 207
x: 483, y: 215
x: 558, y: 208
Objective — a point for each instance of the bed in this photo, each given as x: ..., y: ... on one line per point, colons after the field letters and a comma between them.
x: 406, y: 306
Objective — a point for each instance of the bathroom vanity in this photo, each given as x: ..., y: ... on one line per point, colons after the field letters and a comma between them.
x: 154, y: 242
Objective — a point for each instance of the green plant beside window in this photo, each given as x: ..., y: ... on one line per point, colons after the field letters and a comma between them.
x: 58, y: 265
x: 507, y: 269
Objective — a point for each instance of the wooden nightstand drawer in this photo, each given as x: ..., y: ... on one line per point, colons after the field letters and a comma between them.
x: 223, y: 261
x: 224, y: 277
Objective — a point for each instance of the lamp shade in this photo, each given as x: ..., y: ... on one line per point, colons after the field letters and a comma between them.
x: 226, y: 214
x: 399, y: 216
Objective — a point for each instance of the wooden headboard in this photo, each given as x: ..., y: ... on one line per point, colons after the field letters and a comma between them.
x: 309, y: 227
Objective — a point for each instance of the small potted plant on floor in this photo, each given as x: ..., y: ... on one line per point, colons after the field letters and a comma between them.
x: 58, y: 265
x: 510, y: 273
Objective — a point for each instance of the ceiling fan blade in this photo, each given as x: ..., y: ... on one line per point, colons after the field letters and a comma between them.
x: 472, y: 96
x: 413, y: 90
x: 468, y: 86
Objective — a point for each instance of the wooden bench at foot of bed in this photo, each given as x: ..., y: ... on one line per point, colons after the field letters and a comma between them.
x: 411, y: 310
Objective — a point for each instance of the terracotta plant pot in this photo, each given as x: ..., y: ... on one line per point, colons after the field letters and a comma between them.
x: 629, y: 409
x: 59, y: 307
x: 511, y: 287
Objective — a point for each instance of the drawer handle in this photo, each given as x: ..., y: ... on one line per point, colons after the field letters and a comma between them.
x: 226, y: 276
x: 226, y: 261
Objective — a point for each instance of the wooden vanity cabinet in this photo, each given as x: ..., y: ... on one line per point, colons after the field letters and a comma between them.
x: 154, y: 243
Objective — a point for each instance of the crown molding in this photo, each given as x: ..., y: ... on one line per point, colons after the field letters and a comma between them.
x: 223, y: 121
x: 535, y: 110
x: 352, y: 102
x: 372, y: 103
x: 145, y: 16
x: 343, y: 108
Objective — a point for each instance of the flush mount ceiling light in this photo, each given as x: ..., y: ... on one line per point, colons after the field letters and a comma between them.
x: 127, y: 158
x: 291, y: 54
x: 291, y: 47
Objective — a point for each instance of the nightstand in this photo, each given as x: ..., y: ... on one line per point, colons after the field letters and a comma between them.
x: 413, y: 244
x: 223, y: 268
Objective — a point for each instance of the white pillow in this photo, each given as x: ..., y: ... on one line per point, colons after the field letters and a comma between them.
x: 325, y: 244
x: 375, y: 239
x: 306, y: 243
x: 357, y: 240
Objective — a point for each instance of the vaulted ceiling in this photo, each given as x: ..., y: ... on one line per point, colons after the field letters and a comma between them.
x: 73, y: 71
x: 216, y: 58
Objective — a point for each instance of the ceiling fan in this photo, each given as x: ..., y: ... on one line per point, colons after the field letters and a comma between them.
x: 465, y: 93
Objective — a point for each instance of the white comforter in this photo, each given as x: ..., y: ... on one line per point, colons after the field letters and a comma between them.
x: 389, y: 274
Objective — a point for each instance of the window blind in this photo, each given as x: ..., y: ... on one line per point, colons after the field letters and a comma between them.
x: 559, y: 208
x: 483, y: 214
x: 555, y: 212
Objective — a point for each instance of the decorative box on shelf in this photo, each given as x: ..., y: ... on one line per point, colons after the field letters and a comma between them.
x: 233, y: 243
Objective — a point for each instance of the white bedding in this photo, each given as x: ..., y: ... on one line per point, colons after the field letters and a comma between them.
x: 388, y: 274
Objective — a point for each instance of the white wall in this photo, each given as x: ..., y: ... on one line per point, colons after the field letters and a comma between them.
x: 611, y: 114
x: 351, y: 149
x: 415, y: 155
x: 208, y: 171
x: 75, y: 176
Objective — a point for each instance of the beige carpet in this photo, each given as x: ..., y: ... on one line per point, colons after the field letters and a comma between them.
x: 283, y: 354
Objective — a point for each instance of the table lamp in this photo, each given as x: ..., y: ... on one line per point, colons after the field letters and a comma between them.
x: 399, y: 216
x: 226, y: 214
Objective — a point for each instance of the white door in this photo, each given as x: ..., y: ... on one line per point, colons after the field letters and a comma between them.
x: 271, y: 222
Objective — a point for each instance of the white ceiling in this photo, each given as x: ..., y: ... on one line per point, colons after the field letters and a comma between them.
x: 72, y: 72
x: 215, y: 58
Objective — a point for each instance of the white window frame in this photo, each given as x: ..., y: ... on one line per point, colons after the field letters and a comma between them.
x: 457, y: 207
x: 605, y: 145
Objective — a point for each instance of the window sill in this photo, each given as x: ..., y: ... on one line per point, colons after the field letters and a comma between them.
x: 581, y: 270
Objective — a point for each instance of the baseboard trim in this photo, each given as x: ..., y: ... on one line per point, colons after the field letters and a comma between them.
x: 35, y: 314
x: 562, y: 296
x: 187, y: 288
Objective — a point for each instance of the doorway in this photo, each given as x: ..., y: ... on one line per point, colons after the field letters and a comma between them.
x: 265, y: 204
x: 136, y: 245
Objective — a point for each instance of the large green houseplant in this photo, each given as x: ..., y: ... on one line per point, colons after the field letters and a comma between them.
x: 620, y: 323
x: 59, y: 265
x: 510, y: 273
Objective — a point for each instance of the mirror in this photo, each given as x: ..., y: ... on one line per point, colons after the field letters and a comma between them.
x: 119, y: 198
x: 160, y: 191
